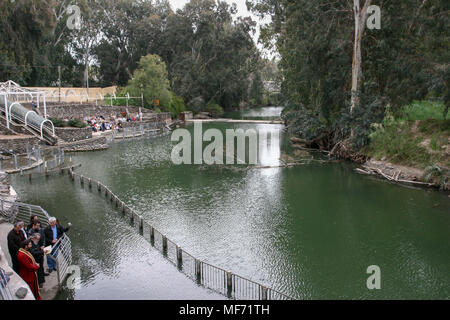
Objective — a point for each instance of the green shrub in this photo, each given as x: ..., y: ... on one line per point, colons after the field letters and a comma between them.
x: 214, y: 109
x: 422, y: 110
x: 177, y: 106
x: 59, y: 123
x: 77, y: 123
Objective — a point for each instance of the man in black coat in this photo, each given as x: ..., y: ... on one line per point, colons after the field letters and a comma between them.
x: 36, y: 228
x: 52, y: 234
x: 15, y: 239
x: 37, y: 250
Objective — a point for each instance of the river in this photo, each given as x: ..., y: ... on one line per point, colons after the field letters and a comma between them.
x: 309, y: 231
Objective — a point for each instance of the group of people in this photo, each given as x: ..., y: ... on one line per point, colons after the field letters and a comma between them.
x: 26, y: 246
x: 99, y: 123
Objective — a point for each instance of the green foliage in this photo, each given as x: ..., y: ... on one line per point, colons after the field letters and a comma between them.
x: 406, y: 60
x: 214, y: 109
x: 59, y: 123
x: 423, y: 110
x: 177, y: 106
x: 151, y: 77
x: 74, y: 123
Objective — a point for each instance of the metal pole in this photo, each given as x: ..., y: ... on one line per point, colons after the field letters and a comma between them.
x: 229, y: 284
x: 59, y: 83
x: 6, y: 111
x: 45, y: 107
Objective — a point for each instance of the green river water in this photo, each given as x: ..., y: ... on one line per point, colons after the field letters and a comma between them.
x: 309, y: 231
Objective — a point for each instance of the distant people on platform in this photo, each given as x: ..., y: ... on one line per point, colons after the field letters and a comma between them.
x: 28, y: 267
x: 52, y: 234
x: 15, y: 239
x: 34, y: 107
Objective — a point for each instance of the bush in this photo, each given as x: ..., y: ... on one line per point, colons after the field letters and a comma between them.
x: 59, y: 123
x: 214, y: 109
x: 74, y: 123
x: 177, y: 106
x: 77, y: 123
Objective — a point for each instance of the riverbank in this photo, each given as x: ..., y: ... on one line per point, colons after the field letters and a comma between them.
x: 412, y: 147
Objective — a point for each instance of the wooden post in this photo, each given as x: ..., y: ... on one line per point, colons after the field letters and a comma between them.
x: 152, y: 236
x: 29, y: 177
x: 264, y: 293
x: 229, y: 284
x: 46, y: 172
x: 198, y: 270
x: 99, y: 188
x: 180, y: 258
x: 90, y: 183
x: 164, y: 243
x: 141, y: 225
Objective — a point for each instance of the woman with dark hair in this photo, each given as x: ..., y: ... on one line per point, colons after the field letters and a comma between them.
x: 32, y: 220
x: 28, y: 268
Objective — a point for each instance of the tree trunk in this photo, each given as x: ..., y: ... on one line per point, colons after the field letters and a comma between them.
x: 360, y: 23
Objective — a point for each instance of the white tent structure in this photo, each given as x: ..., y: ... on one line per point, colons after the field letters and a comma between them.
x: 12, y: 95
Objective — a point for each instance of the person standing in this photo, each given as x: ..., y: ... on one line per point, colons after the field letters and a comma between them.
x: 32, y: 220
x: 28, y: 268
x: 52, y: 234
x: 15, y: 239
x: 22, y: 229
x: 36, y: 228
x: 37, y: 251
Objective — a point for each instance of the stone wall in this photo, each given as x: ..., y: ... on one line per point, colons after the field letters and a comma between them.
x: 17, y: 144
x: 98, y: 143
x: 73, y: 134
x: 4, y: 185
x: 79, y: 111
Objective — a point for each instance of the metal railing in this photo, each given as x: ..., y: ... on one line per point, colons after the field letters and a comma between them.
x: 46, y: 159
x: 5, y: 291
x: 210, y: 276
x: 62, y: 255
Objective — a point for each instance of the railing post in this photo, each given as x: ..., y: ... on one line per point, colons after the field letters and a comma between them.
x: 198, y: 271
x: 15, y: 161
x: 152, y: 236
x: 264, y: 293
x: 164, y: 244
x: 179, y: 257
x: 82, y: 180
x: 229, y: 284
x: 141, y: 225
x: 90, y: 183
x: 29, y: 177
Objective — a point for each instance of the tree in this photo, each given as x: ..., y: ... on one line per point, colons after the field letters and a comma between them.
x: 151, y: 78
x: 325, y: 46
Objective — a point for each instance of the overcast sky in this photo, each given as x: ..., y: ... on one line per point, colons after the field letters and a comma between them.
x: 242, y: 11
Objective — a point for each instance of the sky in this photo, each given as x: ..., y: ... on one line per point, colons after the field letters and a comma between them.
x: 241, y: 11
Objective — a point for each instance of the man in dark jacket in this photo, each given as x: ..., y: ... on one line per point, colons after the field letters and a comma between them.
x: 36, y: 228
x: 15, y: 239
x: 37, y: 250
x: 52, y: 234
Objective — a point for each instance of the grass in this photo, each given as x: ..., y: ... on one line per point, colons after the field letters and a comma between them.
x: 416, y: 137
x: 423, y: 110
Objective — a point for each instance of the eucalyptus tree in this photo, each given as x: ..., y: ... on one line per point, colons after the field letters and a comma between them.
x: 339, y: 75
